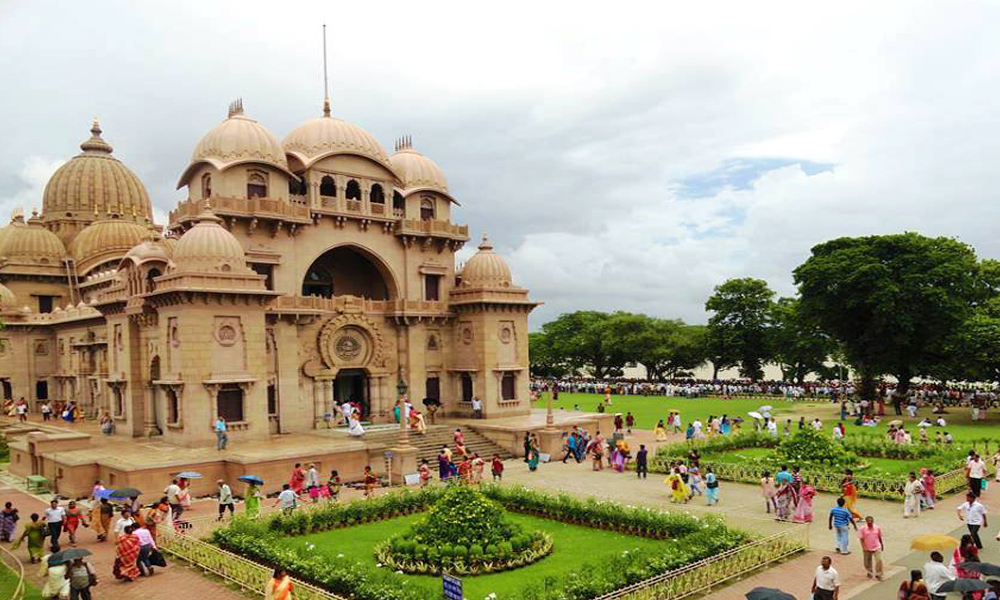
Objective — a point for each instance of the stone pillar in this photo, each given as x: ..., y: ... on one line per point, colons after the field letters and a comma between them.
x: 550, y: 442
x: 404, y: 462
x: 328, y: 399
x: 317, y: 403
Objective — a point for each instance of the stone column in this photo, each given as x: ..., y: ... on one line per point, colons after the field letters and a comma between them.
x: 317, y: 403
x: 328, y: 399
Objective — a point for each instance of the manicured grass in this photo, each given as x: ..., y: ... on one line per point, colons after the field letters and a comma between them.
x: 573, y: 545
x: 649, y: 409
x: 893, y: 467
x: 8, y: 581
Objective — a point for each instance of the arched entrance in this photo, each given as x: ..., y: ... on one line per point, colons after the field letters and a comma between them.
x: 349, y: 270
x: 351, y: 385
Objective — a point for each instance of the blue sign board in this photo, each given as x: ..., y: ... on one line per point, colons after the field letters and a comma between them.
x: 452, y: 587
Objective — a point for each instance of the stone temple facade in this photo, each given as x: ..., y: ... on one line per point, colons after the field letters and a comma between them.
x: 295, y: 275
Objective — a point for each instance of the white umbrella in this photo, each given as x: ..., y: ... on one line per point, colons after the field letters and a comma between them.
x: 755, y: 414
x: 765, y: 408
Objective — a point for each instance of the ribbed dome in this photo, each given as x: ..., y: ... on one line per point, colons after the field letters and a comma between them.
x: 31, y: 243
x: 416, y: 170
x: 7, y: 298
x: 110, y: 235
x: 237, y: 140
x: 327, y: 136
x: 209, y: 247
x: 149, y: 250
x: 95, y: 183
x: 486, y: 268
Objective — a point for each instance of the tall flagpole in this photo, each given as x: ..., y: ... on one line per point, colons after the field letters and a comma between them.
x: 326, y: 84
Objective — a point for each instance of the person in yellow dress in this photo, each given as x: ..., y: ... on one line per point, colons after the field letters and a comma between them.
x: 679, y: 493
x: 661, y: 432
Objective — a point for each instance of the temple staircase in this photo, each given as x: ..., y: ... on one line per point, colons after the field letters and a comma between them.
x: 429, y: 444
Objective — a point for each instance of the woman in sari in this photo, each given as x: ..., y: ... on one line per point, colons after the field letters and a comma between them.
x: 927, y: 478
x: 157, y: 514
x: 72, y: 520
x: 912, y: 493
x: 279, y: 587
x: 252, y: 504
x: 804, y: 509
x: 534, y: 456
x: 850, y: 493
x: 56, y: 584
x: 914, y: 588
x: 8, y: 522
x: 35, y: 533
x: 661, y: 432
x: 417, y: 422
x: 297, y: 479
x: 185, y: 495
x: 596, y: 449
x: 678, y: 490
x: 126, y: 554
x: 784, y: 501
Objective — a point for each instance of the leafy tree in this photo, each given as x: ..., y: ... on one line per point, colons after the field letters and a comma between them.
x: 890, y: 300
x: 972, y: 353
x: 545, y: 361
x: 581, y: 338
x: 738, y: 331
x: 800, y: 346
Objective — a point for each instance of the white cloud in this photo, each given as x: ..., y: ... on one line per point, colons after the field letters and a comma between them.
x: 26, y: 191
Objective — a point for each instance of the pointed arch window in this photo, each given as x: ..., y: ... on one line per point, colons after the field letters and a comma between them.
x: 256, y: 185
x: 398, y: 204
x: 206, y: 185
x: 426, y: 209
x: 353, y: 191
x: 377, y: 195
x: 327, y: 186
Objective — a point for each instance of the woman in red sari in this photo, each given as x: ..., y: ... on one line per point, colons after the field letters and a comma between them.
x: 127, y: 553
x: 298, y: 479
x: 74, y: 518
x: 850, y: 493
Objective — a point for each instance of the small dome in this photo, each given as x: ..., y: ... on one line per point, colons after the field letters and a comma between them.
x: 209, y: 247
x: 415, y: 170
x: 149, y: 250
x: 8, y: 301
x: 486, y: 268
x: 169, y: 244
x: 95, y: 183
x: 106, y: 236
x: 237, y: 140
x: 326, y: 136
x: 31, y: 243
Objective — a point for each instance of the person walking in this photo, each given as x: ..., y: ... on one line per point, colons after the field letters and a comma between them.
x: 221, y: 439
x: 226, y: 500
x: 146, y: 547
x: 496, y: 468
x: 912, y: 494
x: 975, y: 469
x: 826, y: 581
x: 871, y: 545
x: 252, y: 504
x: 936, y: 573
x: 279, y: 587
x: 100, y: 518
x: 35, y: 533
x: 127, y: 549
x: 711, y: 488
x: 767, y: 490
x: 287, y: 499
x: 973, y: 513
x: 641, y: 462
x: 74, y: 518
x: 841, y: 520
x: 8, y: 522
x: 173, y: 493
x: 81, y: 579
x: 312, y: 482
x: 54, y: 517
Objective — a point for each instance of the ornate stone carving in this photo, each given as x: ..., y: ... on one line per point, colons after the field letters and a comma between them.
x: 352, y: 340
x: 506, y: 334
x: 466, y: 335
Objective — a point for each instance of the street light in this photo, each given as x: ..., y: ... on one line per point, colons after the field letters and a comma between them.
x: 401, y: 387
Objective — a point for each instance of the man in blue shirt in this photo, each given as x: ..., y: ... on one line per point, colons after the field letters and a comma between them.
x: 841, y: 520
x: 783, y: 476
x: 221, y: 439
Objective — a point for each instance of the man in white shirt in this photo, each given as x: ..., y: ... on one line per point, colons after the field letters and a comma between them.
x: 697, y: 428
x: 974, y: 514
x: 287, y: 499
x: 826, y: 581
x: 935, y: 573
x: 54, y: 516
x: 477, y: 408
x: 976, y: 470
x: 226, y: 499
x: 173, y: 493
x: 123, y: 521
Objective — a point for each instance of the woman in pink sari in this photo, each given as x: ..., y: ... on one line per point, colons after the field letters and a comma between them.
x: 804, y: 509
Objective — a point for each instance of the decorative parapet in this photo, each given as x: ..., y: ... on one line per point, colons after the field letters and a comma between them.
x: 263, y: 208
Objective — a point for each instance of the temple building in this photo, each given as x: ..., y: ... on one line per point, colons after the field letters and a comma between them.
x: 295, y: 275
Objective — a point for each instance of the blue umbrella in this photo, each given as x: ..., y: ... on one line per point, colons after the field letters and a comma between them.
x: 251, y: 479
x: 189, y: 475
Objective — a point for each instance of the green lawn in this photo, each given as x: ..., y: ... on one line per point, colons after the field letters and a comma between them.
x: 8, y: 581
x: 649, y: 409
x: 573, y: 545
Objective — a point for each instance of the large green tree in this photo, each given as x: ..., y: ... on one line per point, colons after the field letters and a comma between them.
x: 800, y: 346
x: 583, y: 339
x: 890, y: 301
x: 738, y: 330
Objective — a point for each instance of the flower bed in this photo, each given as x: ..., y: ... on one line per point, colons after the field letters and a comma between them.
x: 822, y: 460
x: 697, y: 540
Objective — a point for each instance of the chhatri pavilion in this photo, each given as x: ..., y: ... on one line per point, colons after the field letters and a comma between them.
x: 295, y: 275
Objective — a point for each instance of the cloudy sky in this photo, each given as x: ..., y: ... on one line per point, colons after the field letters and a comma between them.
x: 620, y: 155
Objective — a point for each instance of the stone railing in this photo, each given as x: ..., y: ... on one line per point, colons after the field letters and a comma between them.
x: 702, y: 576
x: 244, y: 207
x: 248, y: 575
x: 292, y: 303
x: 432, y: 227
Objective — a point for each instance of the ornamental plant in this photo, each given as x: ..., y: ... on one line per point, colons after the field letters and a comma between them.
x: 812, y: 446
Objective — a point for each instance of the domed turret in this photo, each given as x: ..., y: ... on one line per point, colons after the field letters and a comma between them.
x: 486, y: 268
x: 94, y: 185
x: 148, y: 250
x: 30, y: 243
x: 237, y: 140
x: 208, y: 247
x: 8, y: 301
x: 416, y: 171
x: 326, y: 136
x: 103, y: 240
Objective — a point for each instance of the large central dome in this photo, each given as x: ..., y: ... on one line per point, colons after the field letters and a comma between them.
x: 327, y: 136
x: 94, y: 184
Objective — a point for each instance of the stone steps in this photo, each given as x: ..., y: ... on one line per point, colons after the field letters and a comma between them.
x: 429, y: 445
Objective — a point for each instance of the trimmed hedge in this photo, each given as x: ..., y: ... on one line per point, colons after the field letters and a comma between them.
x: 697, y: 539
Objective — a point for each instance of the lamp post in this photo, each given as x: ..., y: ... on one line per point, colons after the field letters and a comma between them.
x: 550, y: 419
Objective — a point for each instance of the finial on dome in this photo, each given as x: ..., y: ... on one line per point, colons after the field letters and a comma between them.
x: 404, y: 143
x: 17, y: 215
x: 485, y: 244
x: 96, y: 143
x: 326, y: 106
x: 207, y: 214
x: 235, y: 108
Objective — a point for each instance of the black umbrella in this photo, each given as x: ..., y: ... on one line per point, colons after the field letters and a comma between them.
x: 126, y: 493
x: 961, y: 586
x: 763, y: 593
x: 65, y: 556
x: 980, y: 567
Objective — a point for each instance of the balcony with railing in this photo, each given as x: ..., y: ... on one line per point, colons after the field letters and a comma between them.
x: 266, y: 208
x: 432, y: 228
x: 294, y: 304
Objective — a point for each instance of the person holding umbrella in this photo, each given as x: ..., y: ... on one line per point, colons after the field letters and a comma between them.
x: 81, y: 578
x: 253, y: 495
x: 53, y: 572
